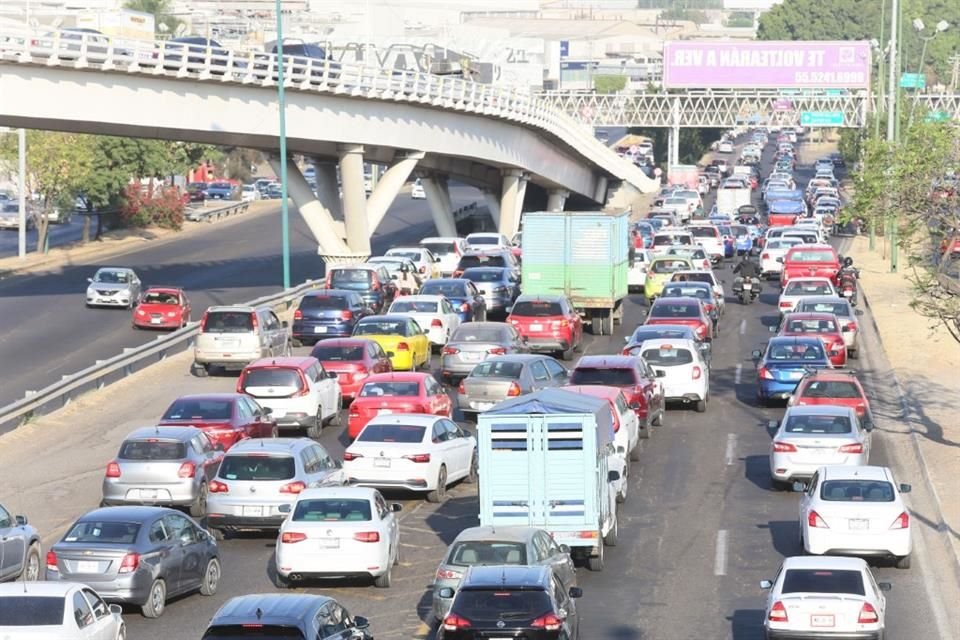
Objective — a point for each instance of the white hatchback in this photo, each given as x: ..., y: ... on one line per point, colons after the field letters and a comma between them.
x: 682, y: 370
x: 637, y: 275
x: 799, y: 288
x: 434, y: 314
x: 61, y: 610
x: 856, y: 511
x: 338, y: 532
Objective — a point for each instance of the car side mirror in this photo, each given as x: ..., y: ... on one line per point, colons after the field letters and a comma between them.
x: 89, y: 279
x: 390, y: 354
x: 266, y: 411
x: 575, y: 592
x: 396, y: 506
x: 21, y: 520
x: 798, y: 487
x: 436, y: 260
x: 613, y: 476
x: 905, y: 488
x: 284, y: 508
x: 360, y: 622
x: 621, y: 449
x: 766, y: 584
x: 885, y: 586
x: 284, y: 324
x: 564, y: 549
x: 332, y: 375
x: 772, y: 329
x: 756, y: 354
x: 116, y: 609
x: 445, y: 593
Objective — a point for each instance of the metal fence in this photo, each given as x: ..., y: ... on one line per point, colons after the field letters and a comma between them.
x: 209, y: 215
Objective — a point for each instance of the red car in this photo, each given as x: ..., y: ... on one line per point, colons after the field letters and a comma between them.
x: 821, y: 325
x: 644, y: 393
x: 226, y: 418
x: 810, y: 260
x: 162, y: 308
x: 827, y: 386
x: 549, y: 323
x: 353, y: 360
x: 682, y: 310
x: 397, y: 392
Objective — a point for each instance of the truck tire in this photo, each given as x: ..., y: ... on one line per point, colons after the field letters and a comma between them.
x: 607, y: 323
x: 596, y: 324
x: 595, y: 563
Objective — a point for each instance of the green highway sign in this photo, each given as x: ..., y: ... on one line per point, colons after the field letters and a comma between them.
x: 821, y: 118
x: 937, y: 116
x: 913, y: 81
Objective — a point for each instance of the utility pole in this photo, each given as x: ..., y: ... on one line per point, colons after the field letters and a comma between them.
x: 892, y: 115
x: 22, y: 191
x: 282, y: 105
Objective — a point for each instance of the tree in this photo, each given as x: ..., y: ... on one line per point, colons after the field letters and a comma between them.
x: 160, y: 10
x: 694, y: 143
x: 609, y: 84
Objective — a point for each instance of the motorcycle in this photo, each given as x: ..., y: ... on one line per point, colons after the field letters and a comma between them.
x: 747, y: 289
x: 847, y: 279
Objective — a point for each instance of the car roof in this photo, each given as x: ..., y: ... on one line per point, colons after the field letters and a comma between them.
x: 163, y: 289
x: 357, y: 493
x: 363, y: 266
x: 809, y: 278
x: 242, y: 308
x: 273, y: 609
x: 415, y: 419
x: 677, y: 342
x: 179, y: 433
x: 818, y: 246
x: 817, y: 410
x: 607, y: 362
x: 125, y: 513
x: 596, y: 390
x: 816, y: 299
x: 676, y: 300
x: 825, y: 562
x: 864, y: 472
x: 808, y: 315
x: 834, y: 374
x: 482, y: 234
x: 541, y: 297
x: 391, y: 317
x: 294, y: 362
x: 499, y: 534
x: 269, y: 445
x: 512, y: 577
x: 422, y: 297
x: 662, y: 327
x: 483, y: 325
x: 27, y: 589
x: 397, y: 376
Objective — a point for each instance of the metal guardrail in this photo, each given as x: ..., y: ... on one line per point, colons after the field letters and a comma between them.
x: 105, y: 372
x: 209, y: 215
x: 165, y: 59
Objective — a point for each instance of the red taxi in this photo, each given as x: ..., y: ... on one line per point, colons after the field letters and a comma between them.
x: 832, y: 387
x: 810, y: 260
x: 353, y: 360
x: 162, y: 308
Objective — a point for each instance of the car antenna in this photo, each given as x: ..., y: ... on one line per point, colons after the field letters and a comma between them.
x: 259, y: 613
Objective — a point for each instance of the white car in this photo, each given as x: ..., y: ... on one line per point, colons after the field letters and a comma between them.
x: 856, y: 511
x: 681, y: 207
x: 61, y: 610
x: 637, y: 275
x: 823, y: 165
x: 681, y: 367
x: 486, y: 241
x: 393, y: 263
x: 299, y: 392
x: 448, y: 249
x: 428, y: 265
x: 416, y: 191
x: 335, y: 532
x: 708, y: 236
x: 771, y: 258
x: 806, y: 235
x: 416, y: 452
x: 249, y: 193
x: 825, y: 598
x: 708, y: 276
x: 666, y: 240
x: 845, y: 314
x: 797, y: 288
x: 725, y: 146
x: 810, y: 436
x: 434, y: 314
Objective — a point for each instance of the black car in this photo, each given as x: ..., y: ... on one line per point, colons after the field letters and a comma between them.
x: 511, y: 601
x: 300, y: 616
x: 327, y: 313
x: 197, y: 50
x: 197, y: 191
x: 837, y: 158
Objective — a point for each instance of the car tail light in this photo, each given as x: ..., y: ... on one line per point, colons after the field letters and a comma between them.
x: 418, y: 457
x: 113, y: 470
x: 360, y: 373
x: 563, y: 324
x: 187, y: 470
x: 464, y: 307
x: 292, y: 537
x: 447, y: 574
x: 129, y: 563
x: 851, y: 448
x: 784, y: 305
x: 778, y: 612
x: 861, y: 409
x: 347, y: 456
x: 436, y: 323
x: 52, y: 560
x: 218, y: 487
x: 765, y: 256
x: 403, y: 346
x: 765, y: 373
x: 450, y: 351
x: 453, y: 622
x: 851, y: 326
x: 293, y: 487
x: 298, y: 315
x: 697, y: 372
x: 902, y: 521
x: 548, y: 621
x: 346, y: 314
x: 514, y: 390
x: 203, y: 323
x: 253, y: 320
x: 497, y: 351
x: 367, y: 536
x: 814, y: 520
x: 461, y: 388
x: 784, y: 447
x: 868, y: 615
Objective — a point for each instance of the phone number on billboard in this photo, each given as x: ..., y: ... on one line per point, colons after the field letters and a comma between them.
x: 831, y: 77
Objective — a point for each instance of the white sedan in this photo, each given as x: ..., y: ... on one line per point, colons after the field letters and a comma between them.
x: 487, y: 241
x: 856, y: 511
x: 637, y: 275
x: 798, y: 288
x: 725, y: 146
x: 824, y: 597
x: 62, y: 610
x: 434, y: 314
x: 338, y: 532
x: 412, y: 451
x: 428, y: 265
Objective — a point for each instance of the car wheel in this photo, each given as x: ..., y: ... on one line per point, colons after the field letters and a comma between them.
x: 156, y: 600
x: 31, y: 566
x: 200, y: 370
x: 610, y: 540
x: 211, y: 578
x: 853, y: 353
x: 903, y: 562
x: 283, y: 582
x: 438, y: 494
x: 335, y: 420
x: 474, y: 472
x: 701, y: 405
x: 313, y: 431
x: 385, y: 579
x: 199, y: 507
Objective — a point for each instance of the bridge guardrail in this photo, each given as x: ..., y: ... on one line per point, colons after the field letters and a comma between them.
x: 209, y: 215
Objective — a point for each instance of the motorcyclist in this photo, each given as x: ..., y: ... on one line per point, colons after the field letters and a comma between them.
x: 746, y: 268
x: 406, y: 282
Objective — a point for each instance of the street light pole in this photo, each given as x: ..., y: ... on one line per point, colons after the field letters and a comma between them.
x: 22, y: 190
x: 282, y: 105
x: 892, y: 114
x: 943, y: 25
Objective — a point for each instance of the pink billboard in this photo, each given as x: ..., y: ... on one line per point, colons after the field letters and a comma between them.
x: 766, y: 65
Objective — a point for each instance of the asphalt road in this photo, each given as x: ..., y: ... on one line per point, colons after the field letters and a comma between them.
x: 60, y: 234
x: 48, y: 332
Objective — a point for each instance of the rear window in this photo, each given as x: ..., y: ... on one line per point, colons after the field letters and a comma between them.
x: 483, y: 275
x: 537, y: 309
x: 440, y: 248
x: 324, y: 302
x: 257, y: 467
x: 614, y: 377
x: 856, y: 491
x: 501, y: 605
x: 199, y: 410
x: 338, y: 353
x: 669, y: 266
x: 481, y: 261
x: 803, y: 351
x: 152, y: 450
x: 381, y: 389
x: 31, y: 611
x: 241, y: 632
x: 831, y: 389
x: 448, y: 289
x: 808, y: 288
x: 822, y: 581
x: 357, y: 279
x: 478, y: 334
x: 818, y: 424
x: 98, y: 531
x: 812, y: 326
x: 483, y: 240
x: 228, y: 322
x: 837, y: 308
x: 673, y: 291
x: 413, y: 306
x: 666, y: 356
x: 380, y: 327
x: 808, y: 255
x: 497, y: 369
x: 402, y: 433
x: 329, y: 510
x: 669, y: 310
x: 271, y: 377
x: 470, y: 553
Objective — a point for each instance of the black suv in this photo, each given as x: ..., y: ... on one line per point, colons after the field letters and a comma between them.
x: 511, y: 601
x: 327, y: 313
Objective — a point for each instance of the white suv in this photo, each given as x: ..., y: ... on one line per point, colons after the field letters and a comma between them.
x: 448, y: 249
x: 682, y: 370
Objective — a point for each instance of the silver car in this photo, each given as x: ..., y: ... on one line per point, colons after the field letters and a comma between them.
x: 474, y: 342
x: 526, y: 546
x: 814, y: 436
x: 170, y: 466
x: 114, y: 287
x: 19, y: 547
x: 233, y: 337
x: 142, y: 556
x: 503, y: 377
x: 498, y: 286
x: 257, y: 477
x: 846, y: 317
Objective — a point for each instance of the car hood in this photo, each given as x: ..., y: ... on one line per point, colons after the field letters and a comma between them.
x: 108, y: 286
x: 155, y: 307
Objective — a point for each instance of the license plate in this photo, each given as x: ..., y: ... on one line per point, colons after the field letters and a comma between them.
x: 88, y: 566
x: 381, y: 462
x: 253, y: 512
x: 821, y: 621
x: 319, y: 329
x: 329, y: 543
x: 384, y: 412
x: 482, y: 406
x: 536, y: 327
x: 858, y: 524
x: 229, y: 343
x: 155, y: 320
x: 471, y: 356
x: 148, y: 494
x: 795, y: 375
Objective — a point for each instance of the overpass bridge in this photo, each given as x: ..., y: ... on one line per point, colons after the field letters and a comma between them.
x: 338, y: 115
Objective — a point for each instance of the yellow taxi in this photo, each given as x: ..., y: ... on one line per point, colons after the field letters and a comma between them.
x: 406, y: 344
x: 660, y: 271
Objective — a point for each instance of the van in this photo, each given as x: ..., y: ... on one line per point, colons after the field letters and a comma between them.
x: 231, y: 337
x: 372, y: 281
x: 297, y: 390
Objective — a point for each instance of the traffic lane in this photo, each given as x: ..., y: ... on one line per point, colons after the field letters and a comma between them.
x: 59, y: 234
x: 49, y: 333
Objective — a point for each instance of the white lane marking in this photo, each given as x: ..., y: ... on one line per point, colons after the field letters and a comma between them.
x: 743, y: 326
x: 738, y: 373
x: 720, y: 560
x: 731, y: 454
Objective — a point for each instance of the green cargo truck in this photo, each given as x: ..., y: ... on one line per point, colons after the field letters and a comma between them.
x: 584, y: 255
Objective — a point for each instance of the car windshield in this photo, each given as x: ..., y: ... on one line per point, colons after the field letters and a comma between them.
x: 101, y: 532
x: 668, y: 356
x: 483, y: 240
x: 439, y: 248
x: 505, y: 605
x: 811, y: 255
x: 814, y: 325
x: 796, y: 351
x: 480, y: 552
x: 112, y: 277
x: 411, y: 254
x: 822, y: 581
x: 227, y: 322
x: 619, y: 377
x: 832, y: 425
x: 696, y: 254
x: 331, y: 510
x: 380, y: 328
x: 807, y: 288
x: 831, y: 389
x: 497, y: 369
x: 400, y: 433
x: 856, y: 491
x: 152, y: 449
x: 481, y: 261
x: 479, y: 334
x: 381, y: 389
x: 356, y: 279
x: 254, y: 466
x: 199, y: 410
x: 448, y: 289
x: 669, y: 266
x: 483, y: 275
x: 675, y: 310
x: 536, y: 309
x: 336, y: 303
x: 31, y: 611
x: 414, y: 306
x: 338, y: 353
x: 838, y: 308
x: 782, y: 244
x: 159, y: 297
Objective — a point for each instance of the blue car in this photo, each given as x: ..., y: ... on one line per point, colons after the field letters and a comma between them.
x: 220, y: 191
x: 466, y: 299
x: 327, y: 313
x: 784, y: 362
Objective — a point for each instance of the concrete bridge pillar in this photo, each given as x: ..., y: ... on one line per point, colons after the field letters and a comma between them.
x: 600, y: 192
x: 557, y: 199
x: 328, y: 191
x: 314, y: 213
x: 388, y: 186
x: 493, y: 205
x: 354, y: 199
x: 438, y: 198
x: 511, y: 201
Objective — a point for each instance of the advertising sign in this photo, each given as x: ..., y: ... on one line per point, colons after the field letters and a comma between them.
x: 689, y: 64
